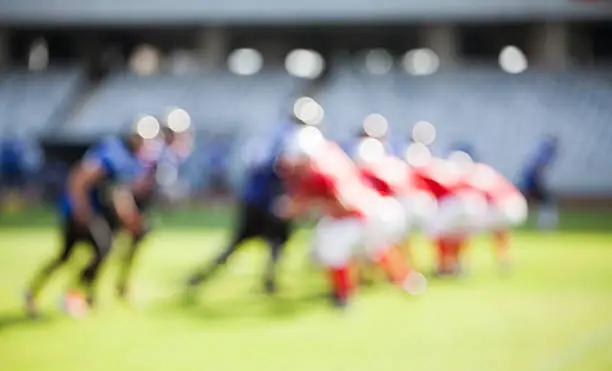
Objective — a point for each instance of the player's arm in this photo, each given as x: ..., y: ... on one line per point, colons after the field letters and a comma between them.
x: 127, y: 211
x: 81, y: 181
x: 293, y: 205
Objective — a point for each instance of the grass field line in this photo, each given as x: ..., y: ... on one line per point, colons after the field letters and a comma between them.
x: 578, y: 349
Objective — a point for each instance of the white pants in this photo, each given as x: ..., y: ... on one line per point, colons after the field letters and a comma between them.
x: 336, y: 241
x: 419, y: 207
x: 508, y: 213
x: 456, y: 216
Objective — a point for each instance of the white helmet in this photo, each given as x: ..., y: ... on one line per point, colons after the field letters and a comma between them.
x: 302, y: 142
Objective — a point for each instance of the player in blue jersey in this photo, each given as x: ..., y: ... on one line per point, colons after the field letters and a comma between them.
x: 256, y: 214
x: 533, y: 182
x: 168, y: 150
x: 98, y: 186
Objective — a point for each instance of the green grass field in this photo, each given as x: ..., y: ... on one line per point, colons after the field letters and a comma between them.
x: 553, y: 312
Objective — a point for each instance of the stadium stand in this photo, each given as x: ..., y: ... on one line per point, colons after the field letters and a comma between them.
x: 29, y: 101
x: 217, y: 101
x: 503, y: 116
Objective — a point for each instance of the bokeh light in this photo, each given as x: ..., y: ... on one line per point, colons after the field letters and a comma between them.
x: 145, y: 60
x: 418, y: 155
x: 424, y: 132
x: 461, y: 161
x: 148, y: 127
x: 245, y: 61
x: 179, y: 120
x: 309, y: 139
x: 375, y: 125
x: 512, y: 60
x: 306, y: 64
x: 308, y: 111
x: 370, y: 150
x: 378, y: 61
x: 38, y: 58
x: 421, y: 62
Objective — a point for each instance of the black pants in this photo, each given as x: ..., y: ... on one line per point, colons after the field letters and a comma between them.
x: 255, y: 221
x: 537, y: 192
x: 11, y: 178
x: 128, y: 256
x: 99, y: 236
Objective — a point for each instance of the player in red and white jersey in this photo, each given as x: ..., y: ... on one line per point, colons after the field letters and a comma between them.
x: 505, y: 207
x: 393, y: 177
x: 457, y: 207
x: 354, y: 215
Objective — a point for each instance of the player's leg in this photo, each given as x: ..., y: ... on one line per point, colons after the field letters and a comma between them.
x: 433, y: 227
x: 501, y: 238
x: 389, y: 237
x: 548, y: 214
x: 509, y: 213
x: 278, y: 232
x: 450, y: 227
x: 458, y: 246
x: 420, y: 207
x: 127, y: 263
x: 334, y: 242
x: 205, y: 273
x: 270, y: 281
x: 100, y: 236
x: 384, y: 230
x: 247, y: 227
x: 69, y: 237
x: 445, y: 264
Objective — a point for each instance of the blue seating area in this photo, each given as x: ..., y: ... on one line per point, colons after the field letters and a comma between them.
x: 217, y: 102
x: 501, y: 116
x: 29, y: 101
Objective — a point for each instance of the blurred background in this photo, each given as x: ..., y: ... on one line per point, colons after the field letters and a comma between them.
x: 494, y: 78
x: 490, y: 75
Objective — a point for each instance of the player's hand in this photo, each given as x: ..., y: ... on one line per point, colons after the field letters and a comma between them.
x: 135, y: 225
x: 82, y: 217
x: 282, y: 207
x: 334, y: 208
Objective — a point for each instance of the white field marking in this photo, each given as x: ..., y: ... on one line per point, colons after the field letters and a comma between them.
x: 578, y: 349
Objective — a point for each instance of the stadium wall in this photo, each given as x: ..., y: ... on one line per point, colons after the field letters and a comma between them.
x: 133, y: 12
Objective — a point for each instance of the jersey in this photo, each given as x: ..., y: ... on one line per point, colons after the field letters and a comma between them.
x: 332, y: 176
x: 542, y: 158
x: 389, y: 175
x: 492, y: 184
x: 120, y: 166
x: 161, y: 165
x: 437, y: 178
x: 351, y: 148
x: 263, y: 184
x: 12, y: 155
